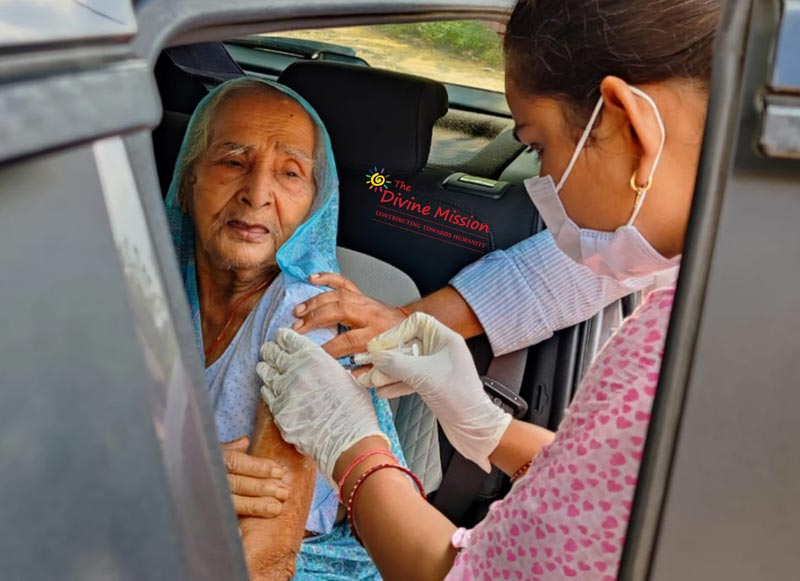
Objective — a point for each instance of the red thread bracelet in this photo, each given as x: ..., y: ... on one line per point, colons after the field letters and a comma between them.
x: 358, y: 461
x: 518, y: 474
x: 351, y: 519
x: 404, y: 311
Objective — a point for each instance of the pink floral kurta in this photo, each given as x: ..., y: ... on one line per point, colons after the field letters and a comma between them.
x: 567, y: 517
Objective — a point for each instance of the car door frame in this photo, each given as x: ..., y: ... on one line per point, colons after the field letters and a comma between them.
x: 109, y: 441
x: 716, y: 494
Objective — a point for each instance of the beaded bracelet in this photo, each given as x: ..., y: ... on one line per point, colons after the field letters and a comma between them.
x: 351, y: 519
x: 358, y: 461
x: 518, y: 474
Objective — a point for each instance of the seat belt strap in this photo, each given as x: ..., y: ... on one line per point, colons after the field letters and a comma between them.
x: 462, y: 480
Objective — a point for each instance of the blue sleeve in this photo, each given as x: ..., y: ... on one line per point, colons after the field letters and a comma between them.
x: 284, y: 316
x: 524, y: 294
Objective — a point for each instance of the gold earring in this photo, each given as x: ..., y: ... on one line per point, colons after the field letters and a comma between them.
x: 640, y: 190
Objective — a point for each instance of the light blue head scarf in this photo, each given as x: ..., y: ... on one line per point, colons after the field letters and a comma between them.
x: 312, y: 247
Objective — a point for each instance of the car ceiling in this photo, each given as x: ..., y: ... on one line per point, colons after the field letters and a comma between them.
x: 163, y: 24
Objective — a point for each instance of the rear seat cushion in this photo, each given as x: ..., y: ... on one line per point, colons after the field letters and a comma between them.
x: 376, y: 278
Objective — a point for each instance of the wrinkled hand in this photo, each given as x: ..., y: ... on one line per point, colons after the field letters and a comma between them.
x: 345, y: 304
x: 316, y: 403
x: 444, y: 376
x: 255, y: 483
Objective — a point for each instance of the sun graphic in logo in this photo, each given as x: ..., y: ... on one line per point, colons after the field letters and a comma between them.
x: 377, y: 180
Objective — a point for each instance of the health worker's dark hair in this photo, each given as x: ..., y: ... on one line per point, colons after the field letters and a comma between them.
x: 564, y: 48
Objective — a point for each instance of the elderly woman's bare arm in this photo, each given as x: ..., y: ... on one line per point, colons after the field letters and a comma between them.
x: 271, y: 544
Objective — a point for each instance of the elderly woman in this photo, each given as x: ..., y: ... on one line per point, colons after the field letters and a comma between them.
x: 253, y: 209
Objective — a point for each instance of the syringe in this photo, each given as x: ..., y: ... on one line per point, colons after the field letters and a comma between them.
x: 365, y: 358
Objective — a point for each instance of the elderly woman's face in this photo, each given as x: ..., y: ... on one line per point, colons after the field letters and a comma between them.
x: 254, y: 184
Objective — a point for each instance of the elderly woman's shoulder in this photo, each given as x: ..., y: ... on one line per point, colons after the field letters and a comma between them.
x: 290, y: 293
x: 300, y: 289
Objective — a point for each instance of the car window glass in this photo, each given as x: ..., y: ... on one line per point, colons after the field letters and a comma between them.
x: 461, y: 52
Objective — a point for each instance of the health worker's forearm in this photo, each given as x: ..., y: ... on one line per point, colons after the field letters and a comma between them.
x: 520, y: 443
x: 405, y: 536
x: 449, y: 307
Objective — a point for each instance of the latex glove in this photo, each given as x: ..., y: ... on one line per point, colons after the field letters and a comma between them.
x: 316, y: 403
x: 444, y: 376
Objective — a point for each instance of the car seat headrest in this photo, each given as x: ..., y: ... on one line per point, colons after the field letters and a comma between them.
x: 184, y: 73
x: 373, y: 116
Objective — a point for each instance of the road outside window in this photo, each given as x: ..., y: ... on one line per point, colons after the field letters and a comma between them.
x: 463, y: 52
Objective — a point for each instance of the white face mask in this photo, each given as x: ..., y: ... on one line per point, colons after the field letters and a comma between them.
x: 621, y: 254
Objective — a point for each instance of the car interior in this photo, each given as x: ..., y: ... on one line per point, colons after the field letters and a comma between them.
x: 403, y: 142
x: 103, y: 390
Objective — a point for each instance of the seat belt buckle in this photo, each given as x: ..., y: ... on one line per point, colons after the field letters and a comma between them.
x: 504, y: 398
